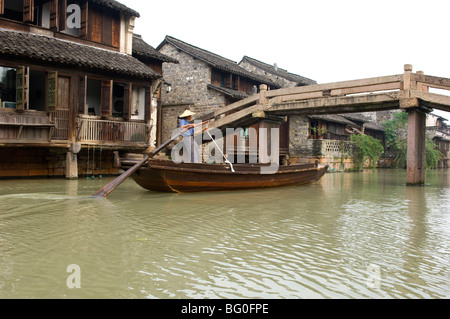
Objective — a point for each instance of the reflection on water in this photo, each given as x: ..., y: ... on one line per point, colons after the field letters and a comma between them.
x: 354, y: 235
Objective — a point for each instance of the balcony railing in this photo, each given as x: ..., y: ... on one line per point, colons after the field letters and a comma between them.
x: 91, y: 130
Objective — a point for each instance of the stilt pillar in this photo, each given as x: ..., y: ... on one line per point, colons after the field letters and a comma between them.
x: 415, y: 172
x: 72, y: 161
x: 71, y: 166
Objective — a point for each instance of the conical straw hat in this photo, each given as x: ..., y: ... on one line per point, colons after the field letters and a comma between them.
x: 186, y: 113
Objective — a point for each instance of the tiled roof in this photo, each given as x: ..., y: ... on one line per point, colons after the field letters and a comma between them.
x: 143, y: 50
x: 229, y: 92
x: 117, y: 6
x: 332, y: 118
x: 357, y: 117
x: 216, y: 61
x: 272, y: 69
x: 374, y: 126
x: 52, y: 51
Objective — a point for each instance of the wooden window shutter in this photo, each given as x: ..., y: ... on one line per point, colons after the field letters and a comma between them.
x: 83, y: 95
x: 2, y: 7
x: 22, y: 81
x: 28, y: 10
x: 84, y: 19
x: 148, y: 103
x: 54, y: 15
x: 62, y: 14
x: 106, y: 106
x: 127, y: 101
x: 52, y: 91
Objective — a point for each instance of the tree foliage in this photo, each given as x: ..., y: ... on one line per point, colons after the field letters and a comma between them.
x: 396, y: 141
x: 365, y: 148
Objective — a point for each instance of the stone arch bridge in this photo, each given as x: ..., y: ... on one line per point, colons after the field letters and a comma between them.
x: 408, y: 91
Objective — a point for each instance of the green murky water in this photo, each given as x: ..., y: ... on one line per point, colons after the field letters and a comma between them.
x: 353, y: 235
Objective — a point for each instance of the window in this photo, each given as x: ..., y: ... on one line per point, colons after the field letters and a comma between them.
x: 93, y: 96
x: 37, y: 91
x: 68, y: 15
x: 138, y: 103
x: 7, y: 87
x: 118, y: 99
x: 25, y: 89
x: 13, y: 9
x: 42, y: 12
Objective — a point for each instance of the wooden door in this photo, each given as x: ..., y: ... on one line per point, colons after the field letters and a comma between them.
x: 284, y: 137
x: 62, y: 109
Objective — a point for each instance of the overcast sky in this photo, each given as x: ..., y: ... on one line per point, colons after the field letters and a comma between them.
x: 324, y: 40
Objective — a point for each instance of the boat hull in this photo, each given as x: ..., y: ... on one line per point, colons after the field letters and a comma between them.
x: 166, y: 176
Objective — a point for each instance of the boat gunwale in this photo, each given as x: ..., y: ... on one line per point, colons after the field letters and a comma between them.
x: 227, y: 170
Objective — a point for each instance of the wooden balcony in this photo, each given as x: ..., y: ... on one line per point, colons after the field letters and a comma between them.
x: 30, y: 127
x: 95, y: 131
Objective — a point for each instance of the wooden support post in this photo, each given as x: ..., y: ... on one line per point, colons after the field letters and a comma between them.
x: 415, y: 173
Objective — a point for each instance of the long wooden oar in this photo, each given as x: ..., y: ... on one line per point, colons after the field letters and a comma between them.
x: 105, y: 191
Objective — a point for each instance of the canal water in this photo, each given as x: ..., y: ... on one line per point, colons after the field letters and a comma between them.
x: 350, y: 235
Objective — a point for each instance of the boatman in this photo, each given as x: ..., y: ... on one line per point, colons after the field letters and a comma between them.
x: 190, y: 145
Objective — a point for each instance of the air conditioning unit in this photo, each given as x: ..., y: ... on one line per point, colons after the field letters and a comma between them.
x: 9, y: 105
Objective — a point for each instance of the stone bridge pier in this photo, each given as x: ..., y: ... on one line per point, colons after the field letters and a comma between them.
x: 415, y: 171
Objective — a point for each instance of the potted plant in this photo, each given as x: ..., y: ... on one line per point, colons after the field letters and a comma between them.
x: 318, y: 132
x: 321, y: 132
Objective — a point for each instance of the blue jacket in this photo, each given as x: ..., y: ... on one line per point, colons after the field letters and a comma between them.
x: 189, y: 132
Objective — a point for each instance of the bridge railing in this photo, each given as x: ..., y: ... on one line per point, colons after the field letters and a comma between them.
x: 427, y: 82
x: 364, y: 86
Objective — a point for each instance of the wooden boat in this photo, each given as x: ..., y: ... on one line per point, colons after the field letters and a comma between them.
x: 167, y: 176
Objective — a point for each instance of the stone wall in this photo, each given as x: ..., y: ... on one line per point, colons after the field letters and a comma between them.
x: 298, y: 135
x: 282, y: 82
x: 170, y: 118
x: 189, y: 80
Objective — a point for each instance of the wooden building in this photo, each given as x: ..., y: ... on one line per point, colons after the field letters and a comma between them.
x: 439, y: 132
x: 76, y: 87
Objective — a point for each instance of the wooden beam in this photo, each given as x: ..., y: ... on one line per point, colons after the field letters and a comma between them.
x: 238, y: 105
